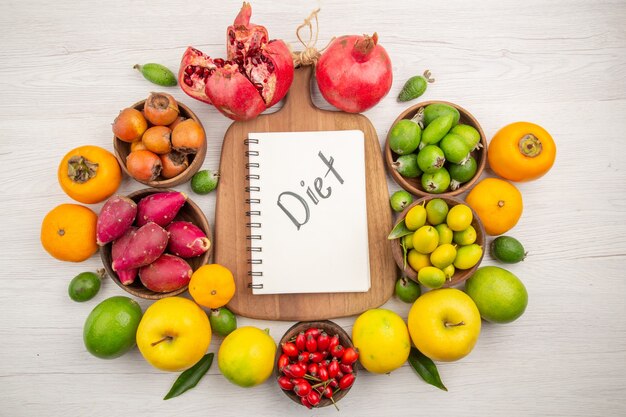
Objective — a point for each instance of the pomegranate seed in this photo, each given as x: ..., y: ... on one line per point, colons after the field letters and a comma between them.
x: 313, y: 369
x: 328, y: 392
x: 199, y: 70
x: 305, y: 402
x: 258, y: 86
x: 316, y: 357
x: 285, y: 383
x: 189, y: 70
x: 314, y: 398
x: 231, y: 36
x: 219, y: 62
x: 346, y: 381
x: 333, y: 368
x: 300, y: 341
x: 303, y: 357
x: 322, y: 373
x: 187, y: 80
x: 337, y: 351
x: 270, y: 66
x: 240, y: 45
x: 334, y: 341
x: 290, y: 349
x: 206, y: 73
x: 283, y: 361
x: 311, y: 343
x: 302, y: 389
x: 195, y: 51
x: 345, y: 368
x: 323, y: 341
x: 350, y: 355
x: 313, y: 331
x: 263, y: 58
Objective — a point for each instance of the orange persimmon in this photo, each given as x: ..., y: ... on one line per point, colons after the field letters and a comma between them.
x: 89, y: 174
x: 521, y: 151
x: 68, y: 232
x: 498, y: 204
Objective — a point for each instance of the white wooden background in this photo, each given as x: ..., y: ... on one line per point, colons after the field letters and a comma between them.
x: 66, y: 71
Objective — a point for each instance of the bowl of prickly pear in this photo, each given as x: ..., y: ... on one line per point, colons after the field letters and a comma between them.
x: 159, y: 141
x: 436, y: 148
x: 316, y: 363
x: 438, y: 241
x: 163, y: 238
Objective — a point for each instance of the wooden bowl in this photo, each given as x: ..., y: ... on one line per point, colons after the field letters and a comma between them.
x: 414, y: 185
x: 331, y: 329
x: 460, y: 275
x: 122, y: 149
x: 190, y: 212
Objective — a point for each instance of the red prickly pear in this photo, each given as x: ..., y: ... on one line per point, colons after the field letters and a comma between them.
x: 187, y: 240
x: 148, y: 243
x: 160, y: 208
x: 116, y: 216
x: 126, y: 276
x: 167, y: 273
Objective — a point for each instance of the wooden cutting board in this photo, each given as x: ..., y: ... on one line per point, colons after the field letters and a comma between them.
x: 299, y: 114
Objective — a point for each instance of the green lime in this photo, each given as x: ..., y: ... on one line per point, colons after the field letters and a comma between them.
x: 435, y: 110
x: 454, y: 148
x: 459, y: 217
x: 404, y: 137
x: 418, y: 260
x: 406, y: 165
x: 430, y: 159
x: 407, y: 241
x: 110, y: 328
x: 499, y: 295
x: 223, y: 321
x: 462, y: 173
x: 443, y: 256
x: 468, y: 256
x: 445, y: 233
x: 436, y: 211
x: 448, y: 271
x: 507, y: 249
x: 85, y: 285
x: 431, y: 277
x: 437, y: 182
x: 470, y: 136
x: 407, y: 290
x: 415, y: 217
x: 425, y: 239
x: 465, y: 237
x: 400, y: 200
x: 205, y: 181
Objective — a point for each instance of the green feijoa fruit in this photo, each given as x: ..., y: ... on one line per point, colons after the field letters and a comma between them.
x: 465, y: 237
x: 436, y: 130
x: 400, y: 200
x: 85, y: 285
x: 435, y: 110
x: 407, y: 241
x: 470, y: 136
x: 462, y: 173
x: 406, y: 165
x: 449, y: 271
x: 415, y: 86
x: 430, y: 159
x: 437, y: 182
x: 468, y: 256
x: 445, y: 233
x: 454, y: 148
x: 223, y: 321
x: 431, y: 277
x: 407, y: 290
x: 205, y: 181
x: 443, y: 256
x: 507, y: 249
x: 157, y: 74
x: 499, y: 295
x: 436, y: 211
x: 404, y: 137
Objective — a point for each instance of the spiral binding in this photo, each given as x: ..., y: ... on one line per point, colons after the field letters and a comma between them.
x: 252, y: 237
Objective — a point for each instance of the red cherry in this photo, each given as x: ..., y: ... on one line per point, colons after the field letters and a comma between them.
x: 346, y: 381
x: 333, y: 368
x: 303, y: 357
x: 345, y: 368
x: 337, y: 351
x: 305, y: 402
x: 300, y: 341
x: 311, y: 344
x: 334, y: 341
x: 316, y: 357
x: 302, y: 389
x: 290, y: 349
x: 313, y: 370
x: 328, y: 392
x: 350, y: 355
x: 285, y: 383
x: 322, y: 373
x: 314, y: 398
x: 313, y: 331
x: 294, y: 370
x: 323, y: 341
x: 283, y: 361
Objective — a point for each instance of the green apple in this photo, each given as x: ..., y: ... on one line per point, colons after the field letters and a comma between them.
x: 499, y: 294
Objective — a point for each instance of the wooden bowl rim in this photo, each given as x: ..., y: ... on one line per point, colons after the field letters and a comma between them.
x: 405, y: 184
x: 144, y: 292
x: 343, y: 337
x: 194, y: 166
x: 460, y: 275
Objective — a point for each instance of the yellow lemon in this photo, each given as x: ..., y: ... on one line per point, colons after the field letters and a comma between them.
x: 465, y: 237
x: 415, y: 218
x: 246, y: 356
x: 425, y: 239
x: 382, y: 339
x: 445, y: 233
x: 443, y: 256
x: 417, y: 260
x: 459, y: 217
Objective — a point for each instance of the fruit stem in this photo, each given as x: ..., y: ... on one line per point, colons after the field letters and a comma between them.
x: 501, y: 203
x: 461, y: 323
x: 427, y: 75
x: 168, y: 338
x: 312, y: 378
x: 101, y: 273
x: 419, y: 118
x: 530, y: 145
x: 81, y: 169
x: 137, y: 67
x: 364, y: 47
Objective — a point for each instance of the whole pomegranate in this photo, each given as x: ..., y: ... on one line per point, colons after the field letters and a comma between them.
x: 354, y: 73
x: 256, y: 74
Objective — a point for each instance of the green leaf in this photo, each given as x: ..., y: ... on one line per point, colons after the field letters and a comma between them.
x: 426, y: 368
x: 190, y: 378
x: 399, y: 230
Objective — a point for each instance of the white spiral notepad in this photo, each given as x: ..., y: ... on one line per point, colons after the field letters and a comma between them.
x: 308, y: 212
